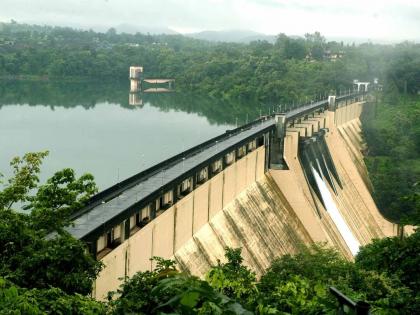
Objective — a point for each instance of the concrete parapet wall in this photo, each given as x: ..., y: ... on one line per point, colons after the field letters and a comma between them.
x: 184, y: 215
x: 115, y: 268
x: 347, y: 113
x: 216, y: 194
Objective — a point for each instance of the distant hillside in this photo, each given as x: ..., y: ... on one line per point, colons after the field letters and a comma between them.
x: 235, y: 36
x: 361, y: 40
x: 154, y: 30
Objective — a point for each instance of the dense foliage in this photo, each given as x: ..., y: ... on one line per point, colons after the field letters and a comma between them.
x: 313, y: 270
x: 41, y: 266
x: 398, y: 256
x: 290, y: 70
x: 392, y: 133
x: 294, y: 284
x: 391, y: 129
x: 167, y: 291
x: 16, y: 300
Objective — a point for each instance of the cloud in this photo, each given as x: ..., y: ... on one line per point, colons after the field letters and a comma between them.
x: 362, y: 18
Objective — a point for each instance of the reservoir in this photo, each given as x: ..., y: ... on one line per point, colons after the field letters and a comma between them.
x: 93, y: 128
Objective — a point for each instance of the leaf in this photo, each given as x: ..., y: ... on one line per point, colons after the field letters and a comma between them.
x: 190, y: 299
x: 319, y: 290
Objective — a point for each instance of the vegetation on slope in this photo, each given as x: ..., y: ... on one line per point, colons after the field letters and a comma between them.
x: 393, y: 158
x: 392, y: 133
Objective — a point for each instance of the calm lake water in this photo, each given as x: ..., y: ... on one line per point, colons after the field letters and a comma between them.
x: 93, y: 128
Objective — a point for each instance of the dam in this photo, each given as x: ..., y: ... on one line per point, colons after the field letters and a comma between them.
x: 270, y: 186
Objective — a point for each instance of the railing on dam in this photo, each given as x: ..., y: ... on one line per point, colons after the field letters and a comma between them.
x: 348, y: 306
x: 159, y: 187
x: 133, y: 202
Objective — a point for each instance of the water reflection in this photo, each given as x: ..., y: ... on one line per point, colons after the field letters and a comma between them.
x: 134, y: 99
x: 88, y: 95
x: 93, y: 128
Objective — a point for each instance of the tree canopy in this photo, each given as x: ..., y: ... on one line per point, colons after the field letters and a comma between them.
x: 37, y: 257
x: 289, y: 70
x: 391, y: 129
x: 294, y: 284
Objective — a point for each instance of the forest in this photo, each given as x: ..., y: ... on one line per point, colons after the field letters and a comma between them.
x: 392, y: 132
x: 292, y: 70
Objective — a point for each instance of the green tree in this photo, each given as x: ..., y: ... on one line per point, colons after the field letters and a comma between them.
x: 233, y: 279
x: 16, y: 300
x: 392, y: 131
x: 404, y: 68
x: 299, y: 284
x: 316, y: 45
x: 290, y: 48
x: 394, y: 255
x: 24, y: 179
x: 57, y: 199
x: 167, y: 291
x: 31, y: 257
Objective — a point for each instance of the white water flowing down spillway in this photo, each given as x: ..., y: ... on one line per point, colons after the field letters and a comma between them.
x: 352, y: 243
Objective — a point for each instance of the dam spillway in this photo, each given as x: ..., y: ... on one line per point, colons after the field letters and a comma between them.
x: 281, y: 211
x: 258, y: 192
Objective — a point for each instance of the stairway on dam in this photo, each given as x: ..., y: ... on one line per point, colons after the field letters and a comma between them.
x: 321, y: 196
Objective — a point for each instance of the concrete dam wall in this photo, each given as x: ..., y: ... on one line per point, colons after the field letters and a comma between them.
x: 321, y: 196
x: 175, y: 227
x: 336, y: 159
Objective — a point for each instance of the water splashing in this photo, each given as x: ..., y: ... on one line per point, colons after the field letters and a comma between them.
x: 335, y: 214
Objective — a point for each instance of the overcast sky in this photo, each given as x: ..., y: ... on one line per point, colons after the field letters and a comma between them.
x: 385, y: 19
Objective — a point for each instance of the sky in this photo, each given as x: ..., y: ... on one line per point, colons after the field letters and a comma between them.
x: 370, y: 19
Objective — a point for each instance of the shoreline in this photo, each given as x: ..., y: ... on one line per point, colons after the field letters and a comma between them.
x: 46, y: 78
